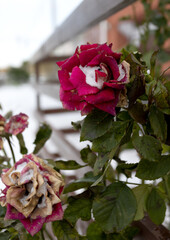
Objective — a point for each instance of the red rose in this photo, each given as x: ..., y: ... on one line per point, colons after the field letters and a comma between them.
x: 92, y: 78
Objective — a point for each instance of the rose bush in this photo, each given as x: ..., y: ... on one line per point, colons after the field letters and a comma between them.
x: 92, y: 78
x: 32, y: 193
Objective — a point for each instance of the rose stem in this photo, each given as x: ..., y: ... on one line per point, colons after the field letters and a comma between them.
x: 13, y: 156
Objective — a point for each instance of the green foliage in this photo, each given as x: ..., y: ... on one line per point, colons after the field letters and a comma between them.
x: 23, y: 148
x: 155, y: 206
x: 18, y: 75
x: 42, y: 136
x: 115, y: 208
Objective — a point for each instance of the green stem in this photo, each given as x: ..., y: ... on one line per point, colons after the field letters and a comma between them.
x: 5, y: 154
x: 42, y: 235
x: 12, y: 152
x: 49, y: 236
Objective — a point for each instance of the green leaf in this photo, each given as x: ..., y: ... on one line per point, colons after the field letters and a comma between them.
x: 21, y: 141
x: 148, y: 147
x: 4, y: 236
x: 94, y: 232
x: 138, y: 112
x: 153, y: 63
x: 8, y: 115
x: 141, y: 193
x: 77, y: 125
x: 160, y: 94
x: 78, y: 208
x: 100, y: 162
x: 158, y: 123
x: 115, y: 208
x: 96, y: 124
x: 126, y: 168
x: 85, y: 182
x: 5, y: 223
x: 67, y: 165
x: 88, y: 156
x: 64, y: 231
x: 111, y: 139
x: 2, y: 211
x: 123, y: 116
x: 148, y: 170
x: 42, y: 136
x: 155, y: 206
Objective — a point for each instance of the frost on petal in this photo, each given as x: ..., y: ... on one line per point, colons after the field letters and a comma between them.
x: 17, y: 124
x: 33, y: 226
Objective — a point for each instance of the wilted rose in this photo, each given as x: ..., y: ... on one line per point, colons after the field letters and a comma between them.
x: 32, y: 193
x: 92, y: 78
x: 17, y: 124
x: 2, y: 123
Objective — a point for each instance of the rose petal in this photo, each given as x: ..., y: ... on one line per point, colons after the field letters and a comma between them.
x: 114, y: 84
x: 78, y: 80
x: 33, y: 226
x: 100, y: 97
x: 107, y: 50
x: 57, y: 213
x: 87, y: 56
x: 12, y: 213
x: 111, y: 62
x: 70, y: 63
x: 107, y: 107
x: 17, y: 124
x: 64, y: 80
x: 88, y: 46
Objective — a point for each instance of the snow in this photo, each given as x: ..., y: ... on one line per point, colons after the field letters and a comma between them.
x: 91, y: 76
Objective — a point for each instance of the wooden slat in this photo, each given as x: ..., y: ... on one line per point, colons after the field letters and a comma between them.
x: 87, y: 14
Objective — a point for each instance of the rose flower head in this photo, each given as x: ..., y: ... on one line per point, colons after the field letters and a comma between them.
x: 17, y: 124
x: 92, y: 78
x: 32, y: 193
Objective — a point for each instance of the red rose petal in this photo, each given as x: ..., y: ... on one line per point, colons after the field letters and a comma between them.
x: 71, y: 63
x: 114, y: 84
x: 111, y: 62
x: 78, y: 80
x: 33, y: 225
x: 64, y: 80
x: 60, y: 63
x: 57, y: 213
x: 88, y: 46
x: 87, y: 56
x: 12, y: 213
x: 104, y: 95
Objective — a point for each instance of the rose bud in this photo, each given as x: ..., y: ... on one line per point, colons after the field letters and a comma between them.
x: 32, y: 193
x: 17, y: 124
x: 93, y: 78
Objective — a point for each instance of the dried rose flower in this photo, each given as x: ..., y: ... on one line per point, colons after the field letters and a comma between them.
x: 32, y: 193
x: 93, y: 78
x: 17, y: 124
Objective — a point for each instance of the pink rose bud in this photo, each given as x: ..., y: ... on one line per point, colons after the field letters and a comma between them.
x: 92, y: 78
x: 17, y: 124
x: 32, y: 193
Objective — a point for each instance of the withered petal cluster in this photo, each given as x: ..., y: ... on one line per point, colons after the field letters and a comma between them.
x: 32, y: 193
